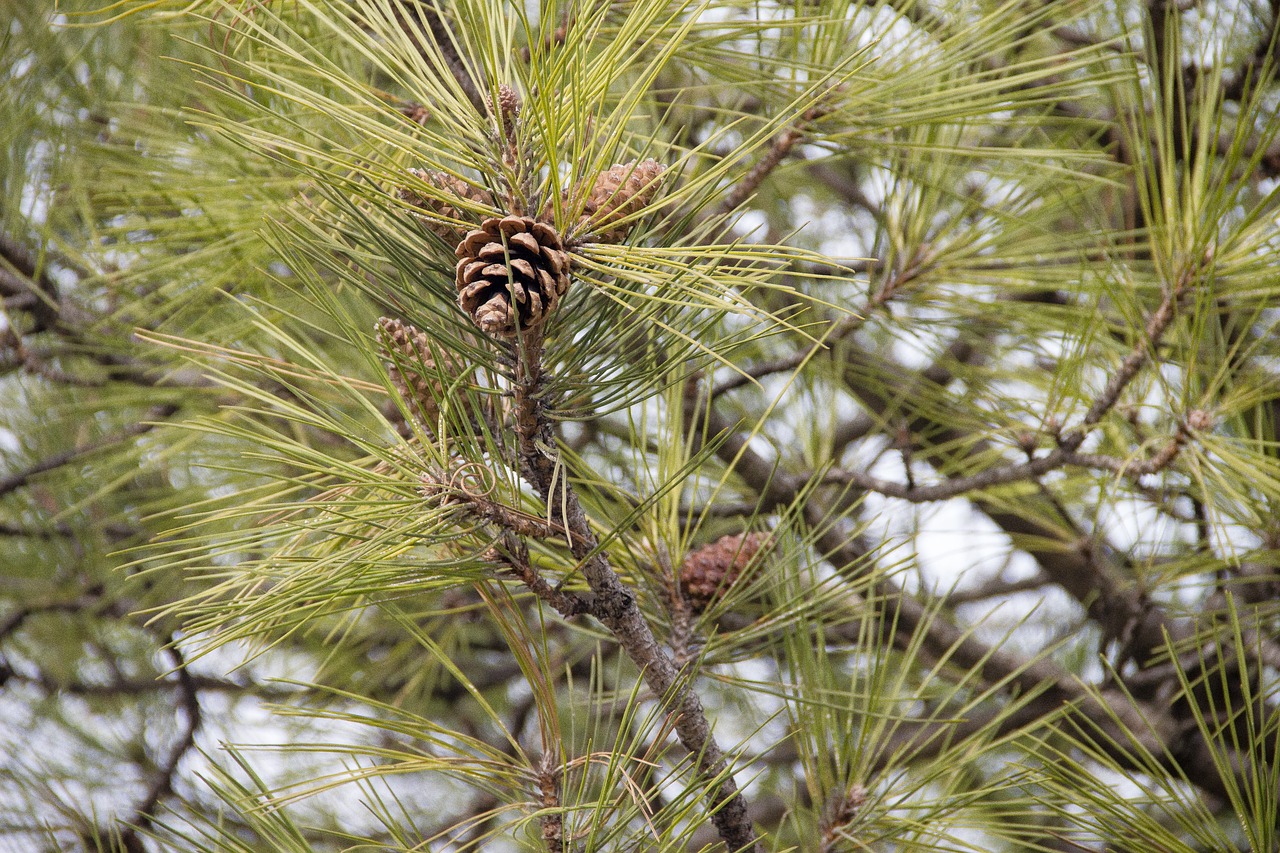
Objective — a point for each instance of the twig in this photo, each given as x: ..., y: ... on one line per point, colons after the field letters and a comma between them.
x: 62, y: 530
x: 548, y: 777
x: 478, y: 505
x: 998, y: 588
x: 778, y: 151
x: 1005, y: 474
x: 35, y: 364
x: 144, y: 686
x: 840, y: 329
x: 20, y: 275
x: 615, y: 605
x: 15, y: 620
x: 446, y: 44
x: 162, y: 782
x: 1157, y: 325
x: 1246, y: 77
x: 516, y: 557
x: 550, y: 40
x: 17, y: 480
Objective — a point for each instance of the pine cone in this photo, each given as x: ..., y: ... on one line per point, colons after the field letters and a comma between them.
x: 508, y: 111
x: 448, y: 185
x: 412, y: 368
x: 712, y: 569
x: 618, y: 192
x: 511, y: 274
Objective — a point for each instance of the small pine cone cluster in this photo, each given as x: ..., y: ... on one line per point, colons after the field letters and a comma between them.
x: 449, y: 186
x: 412, y: 368
x: 710, y: 570
x: 511, y: 273
x: 618, y: 192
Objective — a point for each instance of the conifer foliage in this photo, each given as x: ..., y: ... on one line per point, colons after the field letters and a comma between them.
x: 591, y: 425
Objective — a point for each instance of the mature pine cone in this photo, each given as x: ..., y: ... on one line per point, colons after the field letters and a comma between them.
x: 712, y: 569
x: 618, y: 192
x: 413, y: 368
x: 511, y: 274
x: 449, y: 186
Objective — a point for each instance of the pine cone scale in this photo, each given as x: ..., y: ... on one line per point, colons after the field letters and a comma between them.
x: 524, y: 240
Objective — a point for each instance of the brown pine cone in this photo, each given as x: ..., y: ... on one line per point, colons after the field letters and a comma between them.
x: 449, y: 186
x: 511, y: 274
x: 710, y: 570
x: 508, y: 110
x: 618, y: 192
x: 413, y: 369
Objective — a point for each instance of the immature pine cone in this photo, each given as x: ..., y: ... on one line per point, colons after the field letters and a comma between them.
x: 412, y: 368
x: 712, y: 569
x: 449, y: 185
x: 618, y: 192
x: 511, y: 274
x: 508, y: 110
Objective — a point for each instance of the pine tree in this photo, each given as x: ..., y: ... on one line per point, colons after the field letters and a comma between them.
x: 596, y: 425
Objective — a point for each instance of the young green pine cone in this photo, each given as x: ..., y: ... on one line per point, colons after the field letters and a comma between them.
x: 618, y: 192
x: 412, y: 365
x: 710, y: 570
x: 449, y: 186
x: 511, y: 273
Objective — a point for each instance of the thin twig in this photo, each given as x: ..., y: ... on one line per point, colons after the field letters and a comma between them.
x: 1013, y: 473
x: 162, y: 781
x: 445, y: 44
x: 516, y: 557
x: 777, y: 152
x: 548, y: 776
x: 17, y: 480
x: 998, y: 589
x: 21, y: 276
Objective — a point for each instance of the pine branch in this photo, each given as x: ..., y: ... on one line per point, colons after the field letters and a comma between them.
x: 1157, y: 324
x: 18, y: 479
x: 1121, y: 719
x: 162, y: 776
x: 777, y: 152
x: 27, y: 287
x: 615, y: 606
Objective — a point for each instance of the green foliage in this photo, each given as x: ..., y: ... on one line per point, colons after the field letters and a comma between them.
x: 964, y: 309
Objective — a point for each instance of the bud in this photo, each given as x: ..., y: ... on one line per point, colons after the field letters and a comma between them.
x: 1198, y: 420
x: 508, y: 111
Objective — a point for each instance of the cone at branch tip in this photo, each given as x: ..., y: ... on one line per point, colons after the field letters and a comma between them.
x: 511, y: 274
